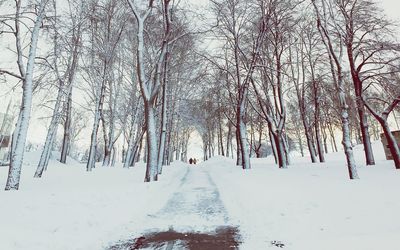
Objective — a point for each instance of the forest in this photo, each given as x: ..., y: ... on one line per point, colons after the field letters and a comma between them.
x: 253, y: 78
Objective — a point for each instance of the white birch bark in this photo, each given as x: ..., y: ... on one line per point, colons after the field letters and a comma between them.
x: 245, y: 154
x: 67, y: 129
x: 21, y: 130
x: 131, y: 143
x: 163, y: 134
x: 130, y: 150
x: 335, y: 60
x: 151, y: 137
x: 93, y: 139
x: 68, y: 112
x: 96, y: 123
x: 149, y: 87
x: 51, y: 134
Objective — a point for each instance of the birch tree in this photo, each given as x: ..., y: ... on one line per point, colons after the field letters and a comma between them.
x: 236, y: 19
x: 78, y: 20
x: 26, y: 71
x: 335, y: 59
x: 382, y: 118
x: 106, y: 34
x: 149, y: 79
x: 381, y: 103
x: 64, y: 66
x: 298, y: 73
x: 372, y: 51
x: 269, y: 87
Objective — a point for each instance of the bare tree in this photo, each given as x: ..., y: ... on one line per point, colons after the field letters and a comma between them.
x: 64, y: 67
x: 106, y: 35
x: 386, y: 100
x: 335, y: 59
x: 269, y: 87
x: 78, y: 19
x: 366, y: 35
x: 26, y: 71
x: 238, y: 24
x: 149, y: 80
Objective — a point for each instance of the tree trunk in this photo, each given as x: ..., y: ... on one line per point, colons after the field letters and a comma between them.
x: 238, y: 148
x: 163, y: 134
x: 21, y: 130
x: 337, y: 76
x: 138, y: 150
x: 282, y: 161
x: 113, y: 157
x: 317, y: 122
x: 300, y: 144
x: 51, y: 134
x: 332, y: 138
x: 66, y: 144
x: 67, y: 130
x: 319, y: 143
x: 325, y: 140
x: 130, y: 150
x: 93, y: 144
x: 286, y: 147
x: 96, y: 123
x: 151, y: 136
x: 392, y: 143
x: 358, y: 86
x: 178, y: 153
x: 243, y: 142
x: 273, y: 144
x: 366, y: 139
x: 107, y: 156
x: 346, y: 141
x: 221, y: 140
x: 229, y: 139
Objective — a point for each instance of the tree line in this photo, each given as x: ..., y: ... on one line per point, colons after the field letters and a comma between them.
x: 303, y: 70
x: 249, y: 76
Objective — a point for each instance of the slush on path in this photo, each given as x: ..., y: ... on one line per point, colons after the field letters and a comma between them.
x: 196, y: 217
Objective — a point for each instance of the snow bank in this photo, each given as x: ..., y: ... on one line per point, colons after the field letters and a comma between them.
x: 71, y: 209
x: 305, y: 207
x: 312, y: 206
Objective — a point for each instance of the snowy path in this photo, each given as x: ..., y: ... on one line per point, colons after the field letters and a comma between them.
x: 197, y: 202
x: 195, y: 217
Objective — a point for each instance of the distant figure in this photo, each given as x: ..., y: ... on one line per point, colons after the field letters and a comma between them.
x: 190, y: 161
x: 194, y: 160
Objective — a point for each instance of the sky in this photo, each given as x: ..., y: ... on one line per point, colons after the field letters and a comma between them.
x: 391, y: 7
x: 38, y: 131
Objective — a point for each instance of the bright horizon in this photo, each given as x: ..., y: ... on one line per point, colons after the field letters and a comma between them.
x: 38, y: 130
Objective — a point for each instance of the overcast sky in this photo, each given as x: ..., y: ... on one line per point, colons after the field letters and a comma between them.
x: 391, y: 8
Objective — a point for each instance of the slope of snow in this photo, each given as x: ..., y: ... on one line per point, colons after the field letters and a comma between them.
x: 72, y: 209
x: 312, y: 206
x: 305, y: 207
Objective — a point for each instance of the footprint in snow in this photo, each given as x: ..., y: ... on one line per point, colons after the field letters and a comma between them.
x: 277, y: 244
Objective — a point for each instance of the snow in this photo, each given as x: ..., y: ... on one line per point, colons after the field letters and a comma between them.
x: 307, y: 206
x: 313, y: 206
x: 70, y: 208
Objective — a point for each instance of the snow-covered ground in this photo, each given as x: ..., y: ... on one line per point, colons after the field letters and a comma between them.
x: 72, y: 209
x: 308, y: 206
x: 313, y: 206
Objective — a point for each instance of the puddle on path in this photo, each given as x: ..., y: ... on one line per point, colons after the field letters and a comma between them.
x: 195, y: 204
x: 224, y: 238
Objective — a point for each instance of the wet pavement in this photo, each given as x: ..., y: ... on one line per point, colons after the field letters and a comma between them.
x: 224, y: 238
x: 196, y: 218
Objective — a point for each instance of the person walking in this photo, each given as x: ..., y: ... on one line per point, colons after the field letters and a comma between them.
x: 194, y: 161
x: 190, y: 161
